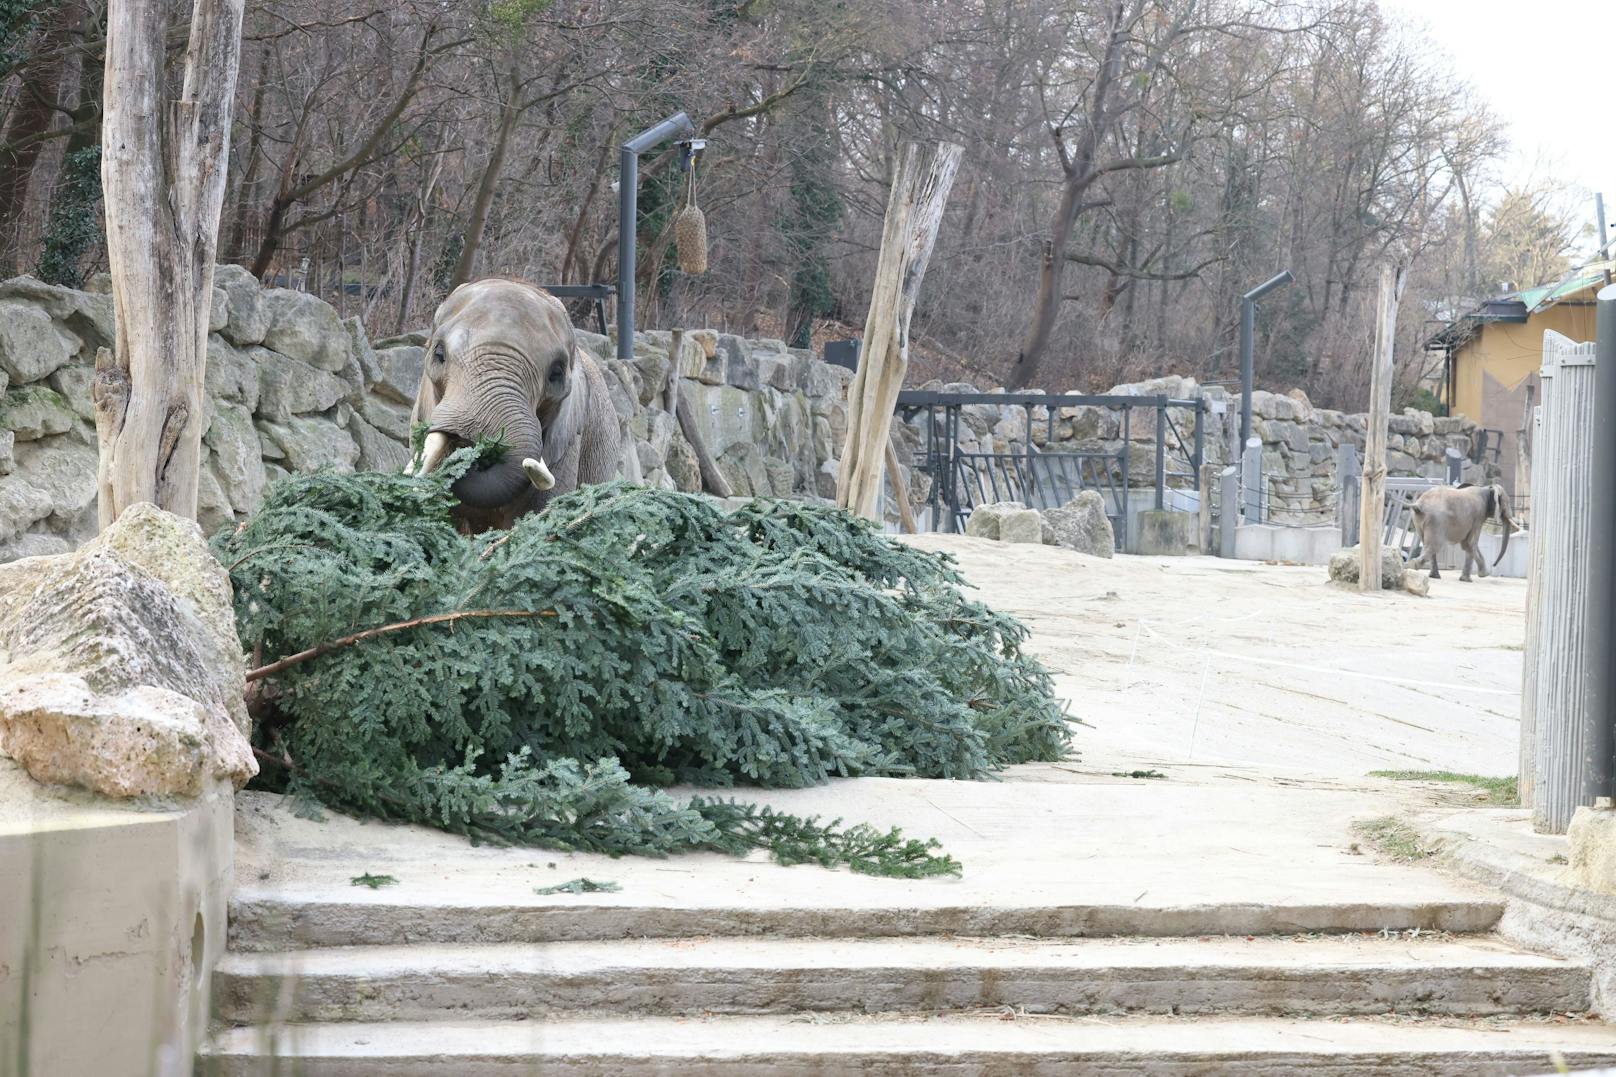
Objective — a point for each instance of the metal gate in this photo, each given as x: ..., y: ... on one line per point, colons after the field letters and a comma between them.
x: 1042, y: 478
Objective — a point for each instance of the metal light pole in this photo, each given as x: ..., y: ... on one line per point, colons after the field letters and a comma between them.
x: 1248, y: 322
x: 628, y: 208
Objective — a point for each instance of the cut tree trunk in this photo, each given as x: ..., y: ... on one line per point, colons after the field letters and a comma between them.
x: 914, y: 212
x: 163, y: 172
x: 1372, y: 506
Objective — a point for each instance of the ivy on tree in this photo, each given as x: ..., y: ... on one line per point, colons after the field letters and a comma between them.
x: 626, y: 639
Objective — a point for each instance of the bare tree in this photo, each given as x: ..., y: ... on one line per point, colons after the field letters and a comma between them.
x: 163, y: 171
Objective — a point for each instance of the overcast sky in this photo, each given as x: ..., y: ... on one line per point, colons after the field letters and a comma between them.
x: 1543, y: 65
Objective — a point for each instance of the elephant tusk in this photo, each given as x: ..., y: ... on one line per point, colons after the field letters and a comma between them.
x: 432, y: 453
x: 537, y: 473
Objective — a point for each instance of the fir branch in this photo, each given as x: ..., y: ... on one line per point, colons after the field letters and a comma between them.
x: 326, y: 648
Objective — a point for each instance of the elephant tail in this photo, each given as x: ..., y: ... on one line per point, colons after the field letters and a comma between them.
x: 1498, y: 501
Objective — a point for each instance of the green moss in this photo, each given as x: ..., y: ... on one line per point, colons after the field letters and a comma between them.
x: 1501, y: 792
x: 1393, y: 838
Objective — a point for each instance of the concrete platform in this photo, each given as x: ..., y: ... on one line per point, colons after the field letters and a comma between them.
x: 1334, y: 975
x: 987, y: 1045
x: 1048, y: 852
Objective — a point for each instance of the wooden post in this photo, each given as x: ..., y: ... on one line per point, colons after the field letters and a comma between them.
x: 163, y: 164
x: 914, y: 213
x: 1209, y: 473
x: 900, y: 490
x: 1372, y: 506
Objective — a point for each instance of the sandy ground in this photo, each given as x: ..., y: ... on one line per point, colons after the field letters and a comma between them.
x: 1263, y: 694
x: 1236, y: 668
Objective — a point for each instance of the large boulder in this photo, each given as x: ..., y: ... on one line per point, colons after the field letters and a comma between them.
x: 1081, y: 524
x: 1005, y: 521
x: 32, y: 346
x: 304, y: 327
x: 1393, y: 577
x: 122, y: 670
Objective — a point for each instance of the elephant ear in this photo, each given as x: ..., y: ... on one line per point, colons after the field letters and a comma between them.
x: 562, y: 427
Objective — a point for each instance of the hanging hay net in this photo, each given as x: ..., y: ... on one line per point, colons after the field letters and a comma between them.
x: 543, y: 685
x: 690, y: 232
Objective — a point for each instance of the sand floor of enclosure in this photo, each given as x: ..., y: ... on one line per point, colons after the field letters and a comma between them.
x: 1263, y: 695
x: 1235, y: 668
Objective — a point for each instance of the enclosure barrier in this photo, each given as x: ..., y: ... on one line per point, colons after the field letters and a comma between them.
x: 1571, y: 763
x: 1044, y: 478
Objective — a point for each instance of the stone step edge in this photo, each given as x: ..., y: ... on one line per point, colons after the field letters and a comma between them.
x: 268, y: 921
x: 739, y: 1044
x: 740, y: 976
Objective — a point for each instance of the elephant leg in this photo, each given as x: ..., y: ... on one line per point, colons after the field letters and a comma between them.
x: 1431, y: 552
x: 1481, y: 562
x: 1464, y: 577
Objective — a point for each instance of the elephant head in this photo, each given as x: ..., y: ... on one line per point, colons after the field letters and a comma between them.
x: 500, y: 362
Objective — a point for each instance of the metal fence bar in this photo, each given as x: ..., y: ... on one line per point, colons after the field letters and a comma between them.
x: 1251, y: 480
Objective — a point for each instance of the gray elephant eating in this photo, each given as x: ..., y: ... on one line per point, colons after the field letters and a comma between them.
x: 502, y: 361
x: 1447, y: 514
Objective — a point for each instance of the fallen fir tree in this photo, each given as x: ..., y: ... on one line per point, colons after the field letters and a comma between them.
x: 541, y: 685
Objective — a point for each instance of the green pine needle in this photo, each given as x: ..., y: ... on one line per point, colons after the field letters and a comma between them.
x: 643, y: 639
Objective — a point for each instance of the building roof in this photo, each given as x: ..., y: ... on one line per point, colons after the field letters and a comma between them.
x: 1520, y: 305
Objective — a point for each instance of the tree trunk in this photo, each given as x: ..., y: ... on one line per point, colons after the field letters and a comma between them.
x: 1372, y: 507
x: 163, y: 171
x: 509, y: 114
x: 25, y: 134
x: 914, y: 213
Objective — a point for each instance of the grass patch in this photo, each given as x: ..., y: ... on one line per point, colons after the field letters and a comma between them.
x: 1393, y: 839
x: 1501, y: 792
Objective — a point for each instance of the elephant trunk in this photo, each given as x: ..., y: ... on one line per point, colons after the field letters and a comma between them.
x: 1502, y: 500
x: 506, y: 479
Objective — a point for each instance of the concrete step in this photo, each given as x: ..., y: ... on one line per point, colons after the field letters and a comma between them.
x: 1332, y: 975
x: 956, y: 1045
x: 268, y: 920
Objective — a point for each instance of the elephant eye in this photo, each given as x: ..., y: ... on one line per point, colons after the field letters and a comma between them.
x: 439, y: 354
x: 558, y: 372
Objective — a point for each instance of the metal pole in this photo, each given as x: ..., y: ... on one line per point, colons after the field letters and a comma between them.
x: 1161, y: 452
x: 1248, y: 324
x: 1599, y: 210
x: 1127, y: 414
x: 628, y: 210
x: 1599, y: 667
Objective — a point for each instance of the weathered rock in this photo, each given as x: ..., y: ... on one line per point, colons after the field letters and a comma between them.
x: 1344, y: 567
x: 1022, y: 525
x: 986, y: 521
x: 72, y: 382
x: 32, y: 412
x: 246, y: 317
x: 742, y: 466
x: 34, y: 544
x: 62, y: 469
x: 377, y: 451
x: 391, y: 418
x: 32, y: 346
x: 8, y: 442
x: 230, y: 374
x: 681, y: 465
x: 123, y: 673
x: 1081, y: 524
x: 307, y: 444
x: 288, y: 387
x: 400, y: 368
x: 302, y: 327
x: 237, y: 461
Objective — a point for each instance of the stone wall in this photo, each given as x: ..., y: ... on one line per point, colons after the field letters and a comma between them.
x: 1300, y: 442
x: 291, y: 387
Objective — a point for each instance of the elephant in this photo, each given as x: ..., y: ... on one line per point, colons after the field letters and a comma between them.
x: 1447, y: 514
x: 502, y: 361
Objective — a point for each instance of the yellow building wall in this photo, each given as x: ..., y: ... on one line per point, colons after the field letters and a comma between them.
x: 1511, y: 352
